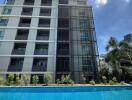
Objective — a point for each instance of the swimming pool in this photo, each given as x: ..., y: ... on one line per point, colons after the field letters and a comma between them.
x: 67, y: 93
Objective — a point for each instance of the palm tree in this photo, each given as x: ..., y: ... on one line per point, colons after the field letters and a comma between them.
x: 118, y: 52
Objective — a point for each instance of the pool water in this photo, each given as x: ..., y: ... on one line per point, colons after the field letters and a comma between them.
x: 66, y: 93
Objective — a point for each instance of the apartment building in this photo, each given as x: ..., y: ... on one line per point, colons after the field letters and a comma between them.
x: 55, y: 36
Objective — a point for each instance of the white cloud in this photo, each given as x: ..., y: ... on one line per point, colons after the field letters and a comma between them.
x: 99, y: 3
x: 127, y: 1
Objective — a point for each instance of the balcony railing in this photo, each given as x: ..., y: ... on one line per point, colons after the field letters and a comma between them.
x: 3, y: 24
x: 39, y: 68
x: 15, y: 68
x: 42, y: 38
x: 24, y: 25
x: 45, y: 14
x: 18, y: 52
x: 44, y: 25
x: 28, y: 3
x: 21, y: 37
x: 27, y: 13
x: 41, y: 52
x: 46, y: 4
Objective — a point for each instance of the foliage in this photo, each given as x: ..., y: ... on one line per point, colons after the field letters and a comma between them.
x: 111, y: 82
x: 122, y: 83
x: 66, y: 80
x: 1, y: 80
x: 26, y: 79
x: 92, y: 82
x: 10, y: 79
x: 83, y: 78
x: 35, y: 79
x: 117, y: 53
x: 47, y: 78
x: 17, y: 79
x: 104, y: 79
x: 114, y: 79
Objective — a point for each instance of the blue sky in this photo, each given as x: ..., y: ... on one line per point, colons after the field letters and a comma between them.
x: 112, y: 18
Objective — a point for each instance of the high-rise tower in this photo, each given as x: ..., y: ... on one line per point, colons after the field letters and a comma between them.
x: 56, y: 36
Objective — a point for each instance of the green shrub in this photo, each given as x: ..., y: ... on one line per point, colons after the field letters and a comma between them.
x: 66, y: 80
x: 114, y: 79
x: 47, y: 78
x: 83, y: 78
x: 104, y: 80
x: 92, y: 82
x: 10, y: 79
x: 18, y: 80
x: 26, y: 79
x: 122, y: 83
x: 58, y: 81
x: 111, y: 82
x: 35, y: 79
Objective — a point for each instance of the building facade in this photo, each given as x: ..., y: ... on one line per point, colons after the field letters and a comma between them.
x: 56, y: 36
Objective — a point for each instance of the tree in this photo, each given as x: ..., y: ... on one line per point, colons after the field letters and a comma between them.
x: 35, y: 79
x: 118, y: 52
x: 47, y: 78
x: 1, y: 80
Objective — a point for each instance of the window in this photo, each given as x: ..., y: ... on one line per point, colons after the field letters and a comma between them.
x: 7, y: 11
x: 3, y: 22
x: 46, y: 2
x: 41, y: 49
x: 45, y: 12
x: 39, y: 64
x: 25, y: 22
x: 16, y: 64
x: 63, y: 1
x: 27, y: 11
x: 19, y: 49
x: 42, y: 35
x: 22, y: 35
x: 63, y: 35
x: 10, y: 1
x: 2, y: 34
x: 44, y: 23
x: 63, y: 23
x: 29, y: 2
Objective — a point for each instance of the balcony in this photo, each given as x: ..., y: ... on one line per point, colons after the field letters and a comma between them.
x: 16, y: 64
x: 41, y: 52
x: 27, y: 11
x: 29, y: 2
x: 22, y: 35
x: 3, y: 22
x: 45, y: 12
x: 39, y: 64
x: 14, y: 68
x: 41, y: 49
x: 25, y: 22
x: 46, y: 2
x: 18, y: 52
x: 44, y: 23
x: 19, y: 49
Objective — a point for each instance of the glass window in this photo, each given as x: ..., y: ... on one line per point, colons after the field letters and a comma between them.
x: 3, y: 22
x: 2, y: 35
x: 7, y: 11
